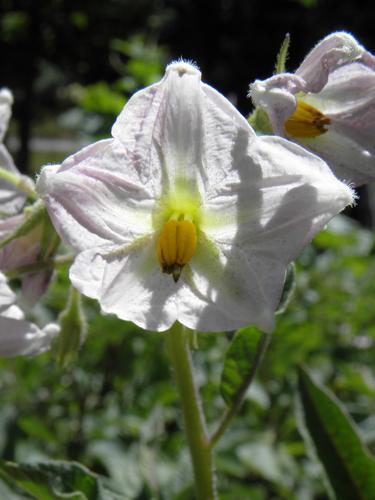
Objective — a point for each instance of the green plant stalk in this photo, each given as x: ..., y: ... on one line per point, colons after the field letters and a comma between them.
x: 21, y: 182
x: 232, y: 410
x: 200, y: 450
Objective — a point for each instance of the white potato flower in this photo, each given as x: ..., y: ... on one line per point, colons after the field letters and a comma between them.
x: 185, y: 214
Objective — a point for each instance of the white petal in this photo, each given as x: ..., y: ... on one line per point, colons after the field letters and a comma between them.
x: 131, y: 286
x: 267, y: 170
x: 348, y: 159
x: 274, y: 204
x: 330, y: 53
x: 349, y: 93
x: 6, y: 101
x: 162, y: 129
x: 225, y: 132
x: 96, y: 197
x: 11, y: 200
x: 224, y: 292
x: 22, y: 338
x: 7, y: 297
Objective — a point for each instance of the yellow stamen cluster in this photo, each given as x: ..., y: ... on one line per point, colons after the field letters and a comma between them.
x: 176, y: 245
x: 306, y: 121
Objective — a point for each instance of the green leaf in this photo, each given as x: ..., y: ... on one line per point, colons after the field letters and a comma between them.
x: 240, y: 363
x: 57, y: 479
x: 347, y: 462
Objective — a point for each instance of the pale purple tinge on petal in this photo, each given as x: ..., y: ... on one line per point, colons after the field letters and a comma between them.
x: 117, y: 207
x: 17, y: 336
x: 348, y: 100
x: 34, y: 285
x: 276, y: 96
x: 333, y: 51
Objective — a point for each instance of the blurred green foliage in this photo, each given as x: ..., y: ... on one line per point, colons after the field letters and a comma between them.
x: 116, y: 410
x: 138, y: 62
x: 330, y: 432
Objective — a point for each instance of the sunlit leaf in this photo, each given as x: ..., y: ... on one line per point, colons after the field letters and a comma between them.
x: 348, y: 464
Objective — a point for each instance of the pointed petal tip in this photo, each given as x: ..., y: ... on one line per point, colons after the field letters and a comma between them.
x: 182, y: 67
x: 43, y: 186
x: 349, y: 195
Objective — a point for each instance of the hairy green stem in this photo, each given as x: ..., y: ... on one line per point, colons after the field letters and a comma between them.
x: 19, y: 181
x: 237, y: 403
x: 194, y: 422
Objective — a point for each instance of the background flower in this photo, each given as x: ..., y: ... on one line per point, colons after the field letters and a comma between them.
x: 327, y: 105
x: 11, y: 199
x: 17, y: 336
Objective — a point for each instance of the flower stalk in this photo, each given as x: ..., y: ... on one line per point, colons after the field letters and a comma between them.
x: 21, y: 182
x: 200, y: 450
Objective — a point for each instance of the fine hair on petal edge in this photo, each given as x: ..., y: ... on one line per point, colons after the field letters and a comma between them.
x: 181, y: 60
x: 351, y: 186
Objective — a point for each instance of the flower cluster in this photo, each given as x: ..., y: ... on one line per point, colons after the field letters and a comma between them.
x: 186, y: 214
x: 24, y: 240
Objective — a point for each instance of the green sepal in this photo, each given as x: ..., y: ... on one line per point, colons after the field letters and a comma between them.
x: 260, y: 122
x: 282, y: 56
x: 73, y: 330
x: 21, y: 182
x: 50, y: 240
x: 34, y: 215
